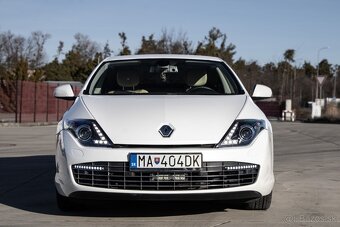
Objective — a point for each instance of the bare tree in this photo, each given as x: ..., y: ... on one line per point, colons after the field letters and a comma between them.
x: 170, y: 43
x: 12, y: 48
x: 167, y: 43
x: 85, y: 47
x: 35, y: 49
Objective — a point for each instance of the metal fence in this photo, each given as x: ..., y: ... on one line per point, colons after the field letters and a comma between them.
x: 35, y: 102
x: 271, y: 109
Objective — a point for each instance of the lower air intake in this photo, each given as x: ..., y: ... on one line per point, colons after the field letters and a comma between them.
x: 212, y: 175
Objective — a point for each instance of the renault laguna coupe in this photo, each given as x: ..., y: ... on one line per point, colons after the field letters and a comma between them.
x: 164, y: 127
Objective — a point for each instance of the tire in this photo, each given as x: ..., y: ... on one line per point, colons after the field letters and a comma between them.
x: 64, y: 203
x: 262, y: 203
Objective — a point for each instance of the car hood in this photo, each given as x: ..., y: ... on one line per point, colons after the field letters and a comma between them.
x: 135, y: 120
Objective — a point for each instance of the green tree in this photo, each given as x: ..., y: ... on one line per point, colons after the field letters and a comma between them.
x: 148, y: 45
x: 38, y: 75
x: 60, y: 49
x: 76, y: 66
x: 215, y: 45
x: 21, y: 69
x: 125, y: 48
x: 107, y: 51
x: 78, y: 62
x: 270, y: 77
x: 56, y: 72
x: 289, y: 55
x: 309, y: 69
x: 325, y: 68
x: 286, y: 70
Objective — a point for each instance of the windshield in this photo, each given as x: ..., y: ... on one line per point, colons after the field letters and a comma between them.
x: 163, y: 77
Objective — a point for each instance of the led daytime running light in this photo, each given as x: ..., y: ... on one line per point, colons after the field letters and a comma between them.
x: 88, y: 167
x: 228, y: 139
x: 100, y: 134
x: 241, y: 167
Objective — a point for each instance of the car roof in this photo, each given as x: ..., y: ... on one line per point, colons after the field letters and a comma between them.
x: 163, y: 56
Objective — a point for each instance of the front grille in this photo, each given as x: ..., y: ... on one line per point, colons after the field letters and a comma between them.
x: 212, y: 175
x: 165, y: 146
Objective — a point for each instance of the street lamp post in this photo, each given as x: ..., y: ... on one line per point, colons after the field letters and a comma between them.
x: 317, y: 71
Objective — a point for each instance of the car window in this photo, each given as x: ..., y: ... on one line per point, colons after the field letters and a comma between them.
x: 163, y: 77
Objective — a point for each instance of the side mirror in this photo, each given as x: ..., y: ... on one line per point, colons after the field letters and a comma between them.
x: 261, y: 92
x: 64, y: 92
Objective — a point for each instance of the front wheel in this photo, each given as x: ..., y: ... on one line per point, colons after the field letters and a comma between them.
x: 262, y: 203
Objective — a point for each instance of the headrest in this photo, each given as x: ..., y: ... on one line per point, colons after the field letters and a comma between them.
x: 196, y: 78
x: 127, y: 78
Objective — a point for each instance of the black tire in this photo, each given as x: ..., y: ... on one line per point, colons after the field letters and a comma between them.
x: 64, y: 203
x: 262, y: 203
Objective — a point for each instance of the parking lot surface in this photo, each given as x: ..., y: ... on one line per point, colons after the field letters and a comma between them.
x: 306, y: 192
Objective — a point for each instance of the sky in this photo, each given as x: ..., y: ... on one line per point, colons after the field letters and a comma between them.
x: 261, y: 29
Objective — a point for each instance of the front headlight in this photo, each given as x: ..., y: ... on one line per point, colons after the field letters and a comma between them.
x: 88, y: 132
x: 242, y: 132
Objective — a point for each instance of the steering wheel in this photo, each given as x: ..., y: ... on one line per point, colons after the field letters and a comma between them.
x: 201, y: 88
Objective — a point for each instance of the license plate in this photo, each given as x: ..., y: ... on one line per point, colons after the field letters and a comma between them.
x: 165, y: 161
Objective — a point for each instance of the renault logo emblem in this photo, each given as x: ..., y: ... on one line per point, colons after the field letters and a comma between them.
x: 166, y: 130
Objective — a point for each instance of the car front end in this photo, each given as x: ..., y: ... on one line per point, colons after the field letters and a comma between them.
x: 171, y: 146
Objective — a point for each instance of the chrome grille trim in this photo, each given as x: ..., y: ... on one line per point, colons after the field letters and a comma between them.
x: 212, y: 175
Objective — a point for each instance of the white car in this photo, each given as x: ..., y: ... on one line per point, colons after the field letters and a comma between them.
x: 164, y: 127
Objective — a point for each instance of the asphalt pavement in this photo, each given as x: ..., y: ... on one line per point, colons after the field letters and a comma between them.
x: 306, y: 193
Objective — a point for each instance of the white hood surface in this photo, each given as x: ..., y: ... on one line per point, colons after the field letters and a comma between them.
x: 136, y: 119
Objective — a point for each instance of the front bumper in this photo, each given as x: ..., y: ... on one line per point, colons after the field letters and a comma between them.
x: 70, y: 152
x: 221, y: 196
